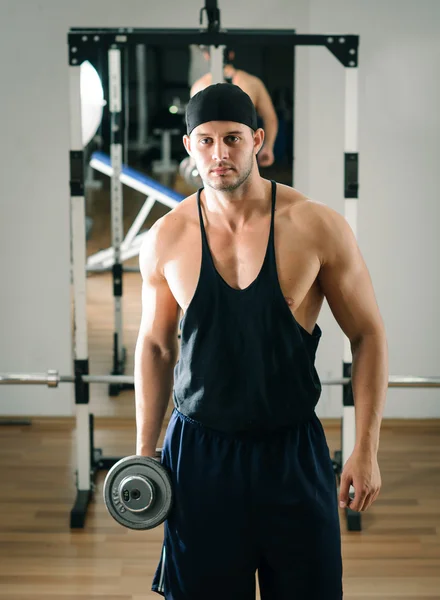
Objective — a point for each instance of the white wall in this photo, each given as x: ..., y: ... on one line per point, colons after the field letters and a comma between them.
x: 399, y: 208
x: 398, y: 145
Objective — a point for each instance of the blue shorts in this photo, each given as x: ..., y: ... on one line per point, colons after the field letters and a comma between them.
x: 246, y: 503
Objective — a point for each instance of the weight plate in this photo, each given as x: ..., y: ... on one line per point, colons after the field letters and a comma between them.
x: 138, y: 493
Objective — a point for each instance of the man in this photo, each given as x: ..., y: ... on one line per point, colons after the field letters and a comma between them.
x: 250, y: 263
x: 259, y: 95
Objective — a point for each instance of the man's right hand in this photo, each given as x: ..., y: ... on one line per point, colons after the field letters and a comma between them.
x: 265, y: 157
x: 156, y: 454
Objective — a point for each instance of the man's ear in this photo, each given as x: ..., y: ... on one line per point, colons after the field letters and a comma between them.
x: 258, y: 140
x: 187, y: 144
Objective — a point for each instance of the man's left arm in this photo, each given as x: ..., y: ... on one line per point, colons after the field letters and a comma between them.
x: 347, y: 285
x: 266, y: 110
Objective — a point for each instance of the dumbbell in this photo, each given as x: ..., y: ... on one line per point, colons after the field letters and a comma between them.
x: 138, y: 492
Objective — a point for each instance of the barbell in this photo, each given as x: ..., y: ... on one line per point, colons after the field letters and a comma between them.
x: 52, y: 379
x: 137, y: 489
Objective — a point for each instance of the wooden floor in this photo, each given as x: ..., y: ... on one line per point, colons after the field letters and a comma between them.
x: 396, y: 556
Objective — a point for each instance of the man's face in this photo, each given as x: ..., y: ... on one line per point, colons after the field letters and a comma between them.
x: 224, y: 153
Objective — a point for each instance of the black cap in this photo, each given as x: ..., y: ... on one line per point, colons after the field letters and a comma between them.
x: 220, y: 102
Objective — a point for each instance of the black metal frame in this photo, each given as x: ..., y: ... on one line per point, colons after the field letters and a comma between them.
x: 84, y: 42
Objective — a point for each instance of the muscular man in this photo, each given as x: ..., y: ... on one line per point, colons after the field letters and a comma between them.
x: 250, y: 263
x: 259, y: 95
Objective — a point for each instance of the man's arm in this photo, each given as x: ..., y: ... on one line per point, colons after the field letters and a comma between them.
x: 266, y: 110
x: 347, y: 285
x: 156, y: 347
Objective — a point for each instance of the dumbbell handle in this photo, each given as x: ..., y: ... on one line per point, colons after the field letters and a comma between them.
x: 157, y: 454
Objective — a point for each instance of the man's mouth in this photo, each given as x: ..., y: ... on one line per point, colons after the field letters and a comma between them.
x: 221, y: 170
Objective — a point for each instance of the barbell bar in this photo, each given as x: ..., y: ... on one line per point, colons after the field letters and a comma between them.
x: 53, y: 379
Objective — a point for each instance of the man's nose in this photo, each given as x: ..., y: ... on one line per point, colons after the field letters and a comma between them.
x: 220, y: 150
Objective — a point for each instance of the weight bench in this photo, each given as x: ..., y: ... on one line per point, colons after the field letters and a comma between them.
x: 154, y: 192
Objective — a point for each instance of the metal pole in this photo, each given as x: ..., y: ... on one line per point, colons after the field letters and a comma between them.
x: 294, y: 143
x: 126, y: 101
x: 216, y: 64
x: 52, y: 379
x: 116, y: 189
x: 142, y: 107
x: 351, y: 215
x: 78, y: 262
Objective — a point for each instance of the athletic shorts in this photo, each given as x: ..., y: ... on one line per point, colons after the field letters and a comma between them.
x: 247, y: 503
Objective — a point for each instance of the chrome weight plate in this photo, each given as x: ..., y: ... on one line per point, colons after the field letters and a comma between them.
x: 138, y: 493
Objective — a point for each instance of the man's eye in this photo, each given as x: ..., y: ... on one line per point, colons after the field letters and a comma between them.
x: 233, y: 138
x: 202, y: 141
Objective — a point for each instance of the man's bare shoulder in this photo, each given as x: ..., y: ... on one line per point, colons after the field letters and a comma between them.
x: 328, y: 227
x: 162, y: 237
x: 247, y: 80
x: 290, y: 200
x: 328, y: 221
x: 295, y: 200
x: 248, y: 77
x: 201, y: 83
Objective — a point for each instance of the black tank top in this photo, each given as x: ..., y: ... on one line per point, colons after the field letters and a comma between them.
x: 245, y: 363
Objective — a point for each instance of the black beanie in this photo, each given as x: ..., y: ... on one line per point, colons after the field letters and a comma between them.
x: 220, y: 102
